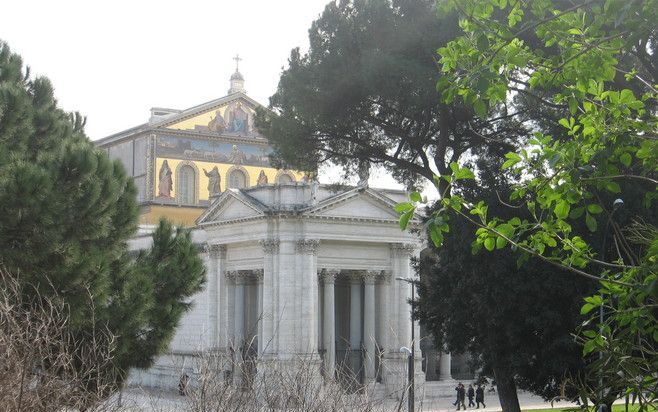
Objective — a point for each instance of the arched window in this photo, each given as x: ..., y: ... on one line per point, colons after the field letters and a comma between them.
x: 186, y: 187
x: 237, y: 179
x: 284, y: 178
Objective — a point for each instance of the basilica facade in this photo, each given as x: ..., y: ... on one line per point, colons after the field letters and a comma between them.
x: 295, y: 269
x: 180, y: 159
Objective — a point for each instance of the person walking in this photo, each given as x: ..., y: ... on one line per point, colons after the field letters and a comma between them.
x: 479, y: 397
x: 461, y: 396
x: 457, y: 398
x: 182, y: 384
x: 471, y: 394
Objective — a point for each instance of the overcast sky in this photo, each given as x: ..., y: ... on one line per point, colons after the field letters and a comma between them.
x: 113, y: 61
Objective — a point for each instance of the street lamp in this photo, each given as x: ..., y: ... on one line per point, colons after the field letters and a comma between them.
x: 412, y: 351
x: 616, y: 205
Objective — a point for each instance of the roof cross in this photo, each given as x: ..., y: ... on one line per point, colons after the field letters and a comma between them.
x: 237, y: 59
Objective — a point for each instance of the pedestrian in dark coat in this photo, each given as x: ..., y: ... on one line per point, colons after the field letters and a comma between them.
x: 479, y: 397
x: 461, y: 396
x: 471, y: 394
x: 182, y: 384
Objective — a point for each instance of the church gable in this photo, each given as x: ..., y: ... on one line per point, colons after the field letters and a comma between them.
x: 229, y: 207
x: 357, y: 206
x: 233, y: 115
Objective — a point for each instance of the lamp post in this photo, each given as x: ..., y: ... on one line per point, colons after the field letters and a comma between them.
x: 616, y: 205
x: 412, y: 351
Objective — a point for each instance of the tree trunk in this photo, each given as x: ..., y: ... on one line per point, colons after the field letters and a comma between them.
x: 506, y: 387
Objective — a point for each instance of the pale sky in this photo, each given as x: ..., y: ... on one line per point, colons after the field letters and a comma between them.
x: 113, y: 61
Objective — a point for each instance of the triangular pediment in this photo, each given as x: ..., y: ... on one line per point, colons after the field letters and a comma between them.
x: 230, y: 205
x: 229, y: 115
x: 357, y: 204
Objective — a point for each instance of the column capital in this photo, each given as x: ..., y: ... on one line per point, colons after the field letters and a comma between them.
x: 355, y: 276
x: 401, y: 249
x: 231, y: 274
x: 370, y: 276
x: 308, y: 246
x: 258, y: 274
x: 270, y: 246
x: 385, y: 276
x: 240, y: 277
x: 215, y: 250
x: 328, y: 276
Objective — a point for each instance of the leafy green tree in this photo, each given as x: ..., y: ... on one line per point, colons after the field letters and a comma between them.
x: 67, y: 213
x: 517, y: 322
x: 365, y: 92
x: 591, y: 63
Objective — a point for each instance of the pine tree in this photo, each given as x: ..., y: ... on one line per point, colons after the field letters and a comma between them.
x: 67, y: 213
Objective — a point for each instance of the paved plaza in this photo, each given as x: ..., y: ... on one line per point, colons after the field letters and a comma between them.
x: 137, y: 400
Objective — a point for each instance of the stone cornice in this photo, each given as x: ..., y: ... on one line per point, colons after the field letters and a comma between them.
x: 301, y: 216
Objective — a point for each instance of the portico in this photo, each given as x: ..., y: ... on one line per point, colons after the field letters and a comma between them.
x: 304, y: 272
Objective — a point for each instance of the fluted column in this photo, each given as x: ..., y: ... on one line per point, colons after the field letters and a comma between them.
x: 238, y: 332
x: 329, y: 326
x: 217, y: 307
x: 259, y: 291
x: 270, y: 250
x: 308, y: 319
x: 402, y: 254
x: 355, y: 312
x: 369, y: 322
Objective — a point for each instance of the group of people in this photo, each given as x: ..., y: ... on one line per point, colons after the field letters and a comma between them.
x: 478, y: 394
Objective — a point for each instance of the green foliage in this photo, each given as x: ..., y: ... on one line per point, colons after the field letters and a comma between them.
x: 585, y: 75
x: 155, y: 295
x: 517, y: 322
x: 365, y: 91
x: 67, y: 213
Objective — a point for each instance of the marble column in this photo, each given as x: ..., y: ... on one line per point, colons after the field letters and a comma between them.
x: 259, y: 315
x: 308, y: 296
x: 238, y: 332
x: 445, y: 363
x: 355, y: 312
x: 329, y: 324
x: 402, y: 254
x: 398, y: 318
x: 218, y: 308
x: 369, y: 323
x: 381, y: 301
x: 270, y: 250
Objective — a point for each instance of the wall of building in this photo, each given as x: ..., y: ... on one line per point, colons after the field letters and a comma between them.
x: 202, y: 179
x: 178, y: 215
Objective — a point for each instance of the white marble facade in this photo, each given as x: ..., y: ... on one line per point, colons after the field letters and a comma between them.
x: 299, y: 270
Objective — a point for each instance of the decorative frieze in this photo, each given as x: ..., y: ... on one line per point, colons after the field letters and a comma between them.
x: 270, y: 246
x: 308, y: 246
